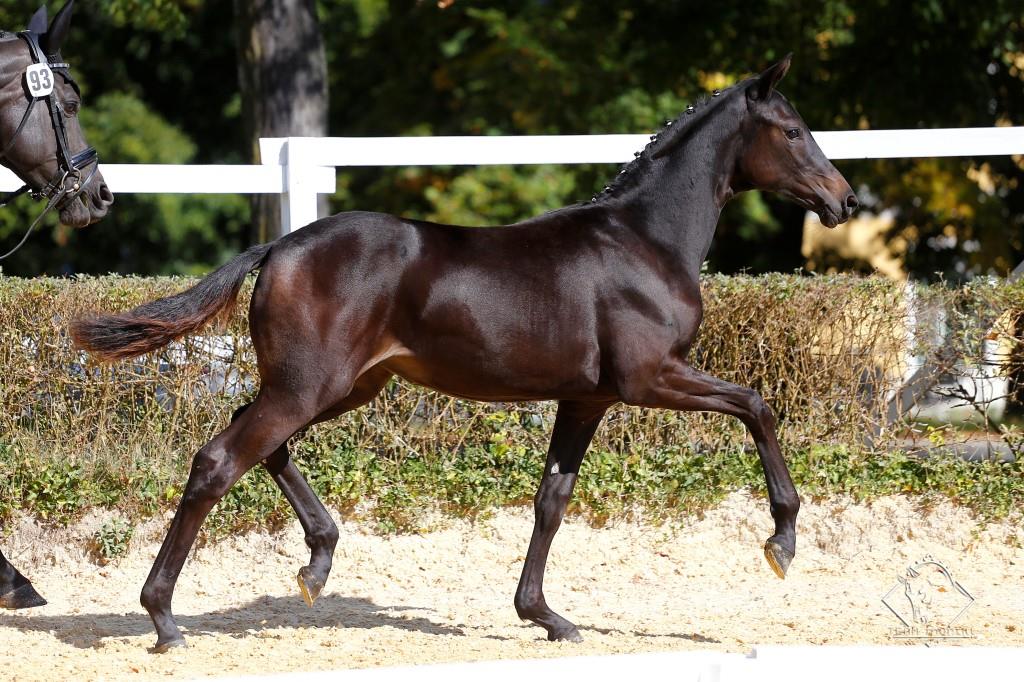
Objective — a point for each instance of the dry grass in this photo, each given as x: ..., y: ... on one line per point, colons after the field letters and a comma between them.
x: 824, y: 352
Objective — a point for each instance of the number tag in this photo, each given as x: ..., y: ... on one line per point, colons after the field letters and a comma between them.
x: 39, y: 79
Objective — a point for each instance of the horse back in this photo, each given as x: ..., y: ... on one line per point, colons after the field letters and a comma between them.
x: 522, y: 312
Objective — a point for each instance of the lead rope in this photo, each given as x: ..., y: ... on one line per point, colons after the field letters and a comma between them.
x: 49, y: 206
x: 78, y: 185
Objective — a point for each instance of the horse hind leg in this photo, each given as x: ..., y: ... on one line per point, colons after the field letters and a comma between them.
x: 250, y: 439
x: 575, y: 425
x: 16, y: 592
x: 321, y: 533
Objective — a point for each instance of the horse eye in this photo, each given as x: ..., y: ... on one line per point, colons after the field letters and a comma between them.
x: 71, y: 108
x: 793, y: 133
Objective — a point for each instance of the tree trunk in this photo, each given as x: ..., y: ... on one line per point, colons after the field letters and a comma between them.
x: 282, y: 72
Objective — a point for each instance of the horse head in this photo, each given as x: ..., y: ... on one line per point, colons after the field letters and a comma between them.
x: 41, y: 140
x: 782, y: 156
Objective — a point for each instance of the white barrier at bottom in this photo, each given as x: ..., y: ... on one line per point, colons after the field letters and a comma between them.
x: 764, y: 663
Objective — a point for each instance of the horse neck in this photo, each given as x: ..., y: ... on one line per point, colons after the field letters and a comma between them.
x: 677, y: 204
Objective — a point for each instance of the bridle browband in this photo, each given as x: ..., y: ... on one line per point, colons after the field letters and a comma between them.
x: 67, y: 184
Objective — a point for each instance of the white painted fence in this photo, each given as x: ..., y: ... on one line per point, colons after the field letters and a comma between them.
x: 300, y: 168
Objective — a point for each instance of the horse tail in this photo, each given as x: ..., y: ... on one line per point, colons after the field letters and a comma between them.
x: 155, y: 324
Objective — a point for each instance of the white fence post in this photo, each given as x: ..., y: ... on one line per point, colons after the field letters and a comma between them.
x: 301, y: 180
x: 298, y: 204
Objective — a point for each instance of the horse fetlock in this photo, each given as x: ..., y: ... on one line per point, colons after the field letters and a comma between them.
x: 784, y: 511
x: 323, y: 538
x: 532, y: 610
x: 151, y: 599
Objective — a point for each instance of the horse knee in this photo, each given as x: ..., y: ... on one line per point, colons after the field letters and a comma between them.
x: 549, y: 504
x: 553, y: 494
x: 757, y: 412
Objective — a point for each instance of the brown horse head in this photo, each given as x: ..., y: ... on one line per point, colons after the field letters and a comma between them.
x: 781, y: 154
x: 30, y: 140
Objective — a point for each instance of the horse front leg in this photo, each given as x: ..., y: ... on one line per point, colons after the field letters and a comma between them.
x: 575, y: 424
x: 16, y: 592
x: 680, y: 387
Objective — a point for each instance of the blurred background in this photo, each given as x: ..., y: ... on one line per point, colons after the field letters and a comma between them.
x: 198, y: 81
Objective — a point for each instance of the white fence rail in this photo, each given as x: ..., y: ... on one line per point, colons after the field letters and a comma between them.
x: 300, y: 168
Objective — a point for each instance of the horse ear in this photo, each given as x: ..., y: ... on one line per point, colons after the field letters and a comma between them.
x: 766, y: 82
x: 37, y: 24
x: 58, y: 30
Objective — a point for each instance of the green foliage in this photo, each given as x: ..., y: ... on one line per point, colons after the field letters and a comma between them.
x: 169, y: 15
x: 576, y: 67
x: 54, y: 490
x: 506, y: 67
x: 111, y: 540
x: 497, y: 194
x: 128, y: 130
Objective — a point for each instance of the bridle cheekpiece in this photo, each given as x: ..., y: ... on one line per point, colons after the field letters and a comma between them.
x: 67, y: 184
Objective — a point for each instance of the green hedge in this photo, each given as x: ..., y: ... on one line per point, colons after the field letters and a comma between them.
x: 821, y: 350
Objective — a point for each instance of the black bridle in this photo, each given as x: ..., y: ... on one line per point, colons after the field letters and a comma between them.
x: 67, y: 184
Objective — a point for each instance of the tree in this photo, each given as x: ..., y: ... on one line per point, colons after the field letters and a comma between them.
x: 409, y: 67
x: 282, y: 73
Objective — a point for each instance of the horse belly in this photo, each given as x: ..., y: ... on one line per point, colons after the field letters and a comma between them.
x: 501, y: 357
x: 492, y: 380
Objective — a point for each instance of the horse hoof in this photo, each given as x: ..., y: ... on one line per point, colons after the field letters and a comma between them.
x: 778, y: 558
x: 22, y: 597
x: 572, y: 635
x: 164, y: 647
x: 309, y: 585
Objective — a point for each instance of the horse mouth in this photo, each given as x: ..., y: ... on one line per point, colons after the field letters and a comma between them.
x: 80, y: 212
x: 829, y: 218
x: 75, y: 214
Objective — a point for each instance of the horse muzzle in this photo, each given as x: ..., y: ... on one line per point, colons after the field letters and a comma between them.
x: 833, y: 211
x: 88, y: 205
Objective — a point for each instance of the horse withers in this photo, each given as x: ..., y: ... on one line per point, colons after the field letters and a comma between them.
x: 590, y: 305
x: 39, y: 130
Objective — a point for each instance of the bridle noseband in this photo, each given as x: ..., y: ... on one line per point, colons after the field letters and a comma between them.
x: 67, y: 184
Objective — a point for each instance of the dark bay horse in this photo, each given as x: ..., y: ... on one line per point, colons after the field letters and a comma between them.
x: 589, y: 305
x: 37, y: 135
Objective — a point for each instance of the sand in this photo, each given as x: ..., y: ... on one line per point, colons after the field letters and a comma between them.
x: 446, y: 595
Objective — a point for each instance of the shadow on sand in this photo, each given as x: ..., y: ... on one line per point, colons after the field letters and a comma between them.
x: 86, y: 630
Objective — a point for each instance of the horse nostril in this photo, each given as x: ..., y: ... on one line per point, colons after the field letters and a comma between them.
x: 103, y: 198
x: 852, y: 203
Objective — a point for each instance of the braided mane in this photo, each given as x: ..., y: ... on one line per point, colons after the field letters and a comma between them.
x: 665, y: 140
